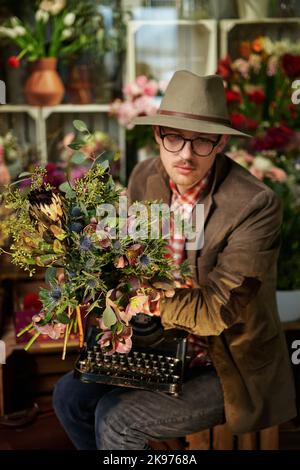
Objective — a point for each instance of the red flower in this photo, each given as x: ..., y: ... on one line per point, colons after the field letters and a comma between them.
x: 291, y: 65
x: 224, y: 68
x: 238, y: 120
x: 251, y: 124
x: 257, y: 96
x: 31, y: 301
x: 233, y: 96
x: 13, y: 61
x: 276, y: 138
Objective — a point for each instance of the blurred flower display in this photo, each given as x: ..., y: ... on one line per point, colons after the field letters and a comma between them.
x: 259, y: 90
x: 140, y: 98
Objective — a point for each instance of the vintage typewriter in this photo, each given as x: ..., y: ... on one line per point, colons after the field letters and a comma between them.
x: 157, y: 360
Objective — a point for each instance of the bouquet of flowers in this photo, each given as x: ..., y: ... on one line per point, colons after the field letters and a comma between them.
x: 100, y: 259
x: 140, y: 98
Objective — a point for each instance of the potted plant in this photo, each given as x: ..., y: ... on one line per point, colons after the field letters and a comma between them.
x: 55, y: 33
x: 259, y: 89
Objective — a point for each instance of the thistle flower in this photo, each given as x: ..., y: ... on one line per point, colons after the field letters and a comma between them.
x: 144, y: 261
x: 56, y: 293
x: 85, y: 243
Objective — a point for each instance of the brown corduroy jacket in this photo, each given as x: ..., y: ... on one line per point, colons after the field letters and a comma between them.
x: 234, y: 303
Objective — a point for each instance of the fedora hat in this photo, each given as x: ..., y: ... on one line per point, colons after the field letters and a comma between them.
x: 193, y: 103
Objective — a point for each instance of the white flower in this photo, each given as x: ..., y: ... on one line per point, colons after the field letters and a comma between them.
x: 8, y: 32
x: 262, y: 164
x: 67, y: 33
x: 42, y: 15
x: 69, y: 19
x: 53, y: 6
x: 19, y: 30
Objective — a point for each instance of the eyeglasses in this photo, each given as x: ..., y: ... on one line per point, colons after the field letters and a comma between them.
x: 201, y: 147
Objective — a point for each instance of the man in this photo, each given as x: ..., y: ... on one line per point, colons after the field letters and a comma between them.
x: 231, y: 311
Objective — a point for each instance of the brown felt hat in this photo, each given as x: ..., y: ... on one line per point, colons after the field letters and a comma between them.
x: 193, y: 103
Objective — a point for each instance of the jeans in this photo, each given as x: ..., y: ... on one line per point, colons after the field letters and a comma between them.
x: 104, y: 417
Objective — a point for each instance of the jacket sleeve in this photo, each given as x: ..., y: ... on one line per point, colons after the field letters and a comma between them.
x: 251, y: 251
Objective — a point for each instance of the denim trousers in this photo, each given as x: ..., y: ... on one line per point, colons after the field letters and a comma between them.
x: 104, y: 417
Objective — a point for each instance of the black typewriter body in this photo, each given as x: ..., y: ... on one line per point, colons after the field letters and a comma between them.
x: 157, y: 360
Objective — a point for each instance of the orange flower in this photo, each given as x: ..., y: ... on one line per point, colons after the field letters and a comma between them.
x: 257, y: 44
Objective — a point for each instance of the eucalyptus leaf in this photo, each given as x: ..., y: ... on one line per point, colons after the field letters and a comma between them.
x: 50, y: 274
x: 24, y: 173
x: 78, y: 158
x: 63, y: 318
x: 80, y: 125
x: 109, y: 317
x: 65, y: 187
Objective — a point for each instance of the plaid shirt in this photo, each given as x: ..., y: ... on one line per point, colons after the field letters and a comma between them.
x: 182, y: 205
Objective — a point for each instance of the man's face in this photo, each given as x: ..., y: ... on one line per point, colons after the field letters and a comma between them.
x: 184, y: 167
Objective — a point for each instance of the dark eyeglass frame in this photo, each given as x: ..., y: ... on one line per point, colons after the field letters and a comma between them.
x: 214, y: 143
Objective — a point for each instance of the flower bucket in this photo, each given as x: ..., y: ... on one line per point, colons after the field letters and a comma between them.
x: 253, y: 9
x: 288, y: 303
x: 44, y: 86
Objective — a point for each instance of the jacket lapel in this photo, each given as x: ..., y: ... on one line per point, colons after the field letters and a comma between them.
x: 157, y: 188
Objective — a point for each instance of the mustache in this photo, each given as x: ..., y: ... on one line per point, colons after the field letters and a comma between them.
x: 184, y: 163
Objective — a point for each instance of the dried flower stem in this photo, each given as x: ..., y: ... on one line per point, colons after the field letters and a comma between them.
x: 67, y: 334
x: 80, y: 328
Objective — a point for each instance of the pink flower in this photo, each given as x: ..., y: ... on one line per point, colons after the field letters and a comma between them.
x: 277, y: 174
x: 115, y: 342
x: 53, y: 330
x: 151, y: 88
x: 241, y: 66
x: 141, y: 80
x: 272, y: 66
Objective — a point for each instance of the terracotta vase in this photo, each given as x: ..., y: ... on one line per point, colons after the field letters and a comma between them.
x: 44, y: 86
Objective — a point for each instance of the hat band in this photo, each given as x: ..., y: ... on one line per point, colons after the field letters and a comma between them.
x: 197, y: 117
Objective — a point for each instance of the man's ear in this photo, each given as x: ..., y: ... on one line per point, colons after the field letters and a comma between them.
x: 156, y: 134
x: 223, y: 142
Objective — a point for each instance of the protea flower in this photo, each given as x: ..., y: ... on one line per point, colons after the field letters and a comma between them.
x: 47, y: 209
x: 46, y: 202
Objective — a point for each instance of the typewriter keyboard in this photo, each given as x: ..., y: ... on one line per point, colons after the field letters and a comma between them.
x: 138, y: 369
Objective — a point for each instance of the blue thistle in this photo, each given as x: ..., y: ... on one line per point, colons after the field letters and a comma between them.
x: 56, y: 293
x: 144, y: 261
x: 76, y: 227
x: 76, y: 212
x: 116, y: 245
x: 92, y: 283
x: 85, y: 243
